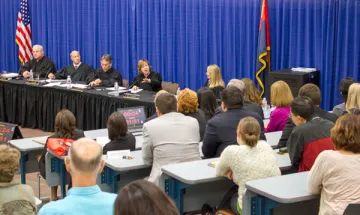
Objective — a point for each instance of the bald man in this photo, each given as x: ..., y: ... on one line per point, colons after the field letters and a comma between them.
x: 78, y: 71
x: 40, y: 64
x: 84, y: 162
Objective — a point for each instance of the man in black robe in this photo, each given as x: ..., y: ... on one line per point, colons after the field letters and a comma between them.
x: 105, y: 76
x: 78, y: 71
x: 40, y: 65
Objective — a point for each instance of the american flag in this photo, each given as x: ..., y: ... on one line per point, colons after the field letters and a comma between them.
x: 23, y: 32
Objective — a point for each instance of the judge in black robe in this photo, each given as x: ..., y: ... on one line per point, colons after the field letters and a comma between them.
x: 40, y: 64
x: 106, y: 76
x: 147, y: 79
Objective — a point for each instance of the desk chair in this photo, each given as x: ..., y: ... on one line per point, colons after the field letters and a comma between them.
x: 171, y: 87
x: 125, y: 83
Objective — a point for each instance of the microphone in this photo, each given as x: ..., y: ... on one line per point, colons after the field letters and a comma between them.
x: 136, y: 81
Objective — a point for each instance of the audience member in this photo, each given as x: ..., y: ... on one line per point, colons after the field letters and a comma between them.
x: 251, y: 92
x: 78, y: 71
x: 143, y: 197
x: 248, y: 105
x: 214, y: 80
x: 170, y: 138
x: 84, y: 163
x: 250, y: 160
x: 310, y: 137
x: 344, y: 89
x: 40, y: 65
x: 147, y: 79
x: 15, y: 198
x: 220, y: 131
x: 207, y: 102
x: 188, y: 105
x: 281, y: 97
x: 155, y: 114
x: 313, y: 92
x: 353, y: 100
x: 106, y: 76
x: 65, y: 127
x: 120, y: 138
x: 335, y: 174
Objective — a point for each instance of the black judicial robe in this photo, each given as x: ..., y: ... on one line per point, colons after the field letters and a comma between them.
x: 107, y: 78
x: 79, y: 74
x: 42, y: 67
x: 155, y: 84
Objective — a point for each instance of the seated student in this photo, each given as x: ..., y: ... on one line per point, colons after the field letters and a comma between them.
x: 250, y: 160
x: 248, y: 105
x: 214, y: 80
x: 147, y: 79
x: 353, y: 100
x: 344, y: 85
x: 281, y: 97
x: 84, y: 163
x: 106, y: 76
x: 313, y: 92
x: 120, y: 138
x: 220, y: 131
x: 170, y: 138
x: 188, y: 105
x: 15, y: 198
x: 335, y: 174
x: 143, y: 197
x: 251, y: 93
x: 155, y: 114
x: 65, y: 127
x: 310, y: 137
x: 78, y: 70
x: 207, y: 102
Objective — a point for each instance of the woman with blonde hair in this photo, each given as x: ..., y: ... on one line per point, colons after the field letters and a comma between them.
x: 281, y: 97
x: 214, y: 80
x: 353, y: 99
x: 188, y: 105
x: 251, y: 159
x: 251, y: 93
x: 146, y: 79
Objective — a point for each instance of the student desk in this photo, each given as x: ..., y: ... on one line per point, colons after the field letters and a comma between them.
x: 93, y: 134
x: 58, y: 166
x: 265, y: 194
x: 29, y: 150
x: 180, y: 176
x: 273, y: 137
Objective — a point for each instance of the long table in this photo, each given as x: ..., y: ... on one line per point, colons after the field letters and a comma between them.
x: 35, y: 106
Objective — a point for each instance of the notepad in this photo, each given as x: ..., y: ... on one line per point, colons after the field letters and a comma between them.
x: 119, y: 154
x: 135, y: 91
x: 113, y: 88
x: 40, y: 140
x: 212, y: 164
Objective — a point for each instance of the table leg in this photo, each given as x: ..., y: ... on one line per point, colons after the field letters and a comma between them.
x: 109, y: 177
x: 23, y: 159
x: 176, y: 189
x: 62, y: 178
x: 261, y: 205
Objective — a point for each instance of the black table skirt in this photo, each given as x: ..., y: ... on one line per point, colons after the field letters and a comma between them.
x: 34, y: 106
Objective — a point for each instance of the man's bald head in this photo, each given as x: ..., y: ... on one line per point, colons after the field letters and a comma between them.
x: 85, y: 156
x: 38, y: 52
x: 75, y: 57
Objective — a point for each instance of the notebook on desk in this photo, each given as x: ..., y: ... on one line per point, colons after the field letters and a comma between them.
x: 135, y: 118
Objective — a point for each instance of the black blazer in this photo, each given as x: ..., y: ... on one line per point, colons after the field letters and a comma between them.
x: 107, y: 78
x: 248, y: 105
x: 124, y: 143
x: 154, y: 85
x: 217, y: 90
x: 78, y: 134
x: 42, y: 67
x: 289, y: 126
x: 200, y: 117
x: 220, y: 131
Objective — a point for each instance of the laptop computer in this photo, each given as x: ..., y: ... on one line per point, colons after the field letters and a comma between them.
x: 135, y: 118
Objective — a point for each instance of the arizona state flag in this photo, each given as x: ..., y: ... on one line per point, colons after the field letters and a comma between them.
x: 263, y: 51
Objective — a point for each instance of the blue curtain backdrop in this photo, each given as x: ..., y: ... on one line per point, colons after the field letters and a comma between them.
x: 181, y: 37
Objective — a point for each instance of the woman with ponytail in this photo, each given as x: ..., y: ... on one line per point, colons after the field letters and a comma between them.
x: 251, y: 159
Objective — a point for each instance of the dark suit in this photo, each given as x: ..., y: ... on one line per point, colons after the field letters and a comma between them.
x: 107, y: 78
x: 290, y: 125
x: 248, y: 105
x: 217, y: 90
x: 124, y: 143
x: 42, y: 67
x: 220, y: 131
x: 154, y: 85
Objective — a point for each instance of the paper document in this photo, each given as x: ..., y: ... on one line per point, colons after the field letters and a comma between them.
x: 102, y: 141
x: 54, y: 80
x: 52, y: 84
x: 135, y: 91
x: 81, y: 86
x: 120, y: 88
x: 40, y: 140
x: 303, y: 69
x: 119, y: 154
x: 10, y: 75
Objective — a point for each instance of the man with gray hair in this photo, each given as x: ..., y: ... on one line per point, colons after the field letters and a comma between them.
x: 78, y: 70
x: 84, y: 162
x: 106, y: 76
x: 40, y: 64
x: 248, y: 105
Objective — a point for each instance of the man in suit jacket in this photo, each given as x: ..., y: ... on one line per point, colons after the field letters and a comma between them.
x: 313, y: 92
x: 248, y: 105
x: 40, y: 64
x: 170, y: 138
x: 221, y: 129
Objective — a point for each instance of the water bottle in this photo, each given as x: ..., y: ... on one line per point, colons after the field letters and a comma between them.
x: 178, y: 91
x: 68, y: 82
x: 264, y: 103
x: 116, y: 86
x: 31, y: 75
